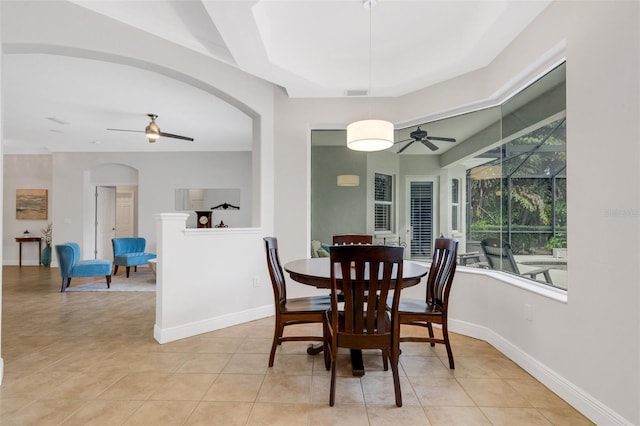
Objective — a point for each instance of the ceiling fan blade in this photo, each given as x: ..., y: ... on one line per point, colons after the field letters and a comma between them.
x: 406, y: 146
x: 438, y: 138
x: 127, y: 130
x: 429, y: 145
x: 404, y: 140
x: 170, y: 135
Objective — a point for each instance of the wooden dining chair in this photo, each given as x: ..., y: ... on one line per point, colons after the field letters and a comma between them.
x: 303, y: 310
x: 343, y: 239
x: 435, y: 308
x: 359, y: 270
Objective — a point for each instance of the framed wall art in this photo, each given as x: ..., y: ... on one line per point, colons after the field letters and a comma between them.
x: 31, y: 204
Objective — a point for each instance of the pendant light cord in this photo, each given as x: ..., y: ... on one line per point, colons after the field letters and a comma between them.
x: 370, y: 3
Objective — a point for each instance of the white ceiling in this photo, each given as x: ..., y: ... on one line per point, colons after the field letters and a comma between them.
x: 312, y: 48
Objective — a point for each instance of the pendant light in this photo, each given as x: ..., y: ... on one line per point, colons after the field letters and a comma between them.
x: 369, y: 135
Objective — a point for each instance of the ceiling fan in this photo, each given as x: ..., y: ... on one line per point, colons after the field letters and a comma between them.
x: 420, y: 135
x: 152, y: 131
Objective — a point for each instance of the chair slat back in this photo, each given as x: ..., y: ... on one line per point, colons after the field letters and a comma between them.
x: 343, y: 239
x: 442, y: 270
x: 364, y: 273
x: 275, y: 270
x: 499, y: 255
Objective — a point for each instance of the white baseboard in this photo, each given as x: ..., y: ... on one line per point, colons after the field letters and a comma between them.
x: 589, y: 406
x: 171, y: 334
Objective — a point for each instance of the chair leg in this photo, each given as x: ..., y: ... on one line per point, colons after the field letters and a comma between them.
x: 108, y: 281
x: 447, y: 343
x: 115, y: 270
x: 277, y: 333
x: 332, y: 390
x: 430, y: 328
x: 327, y: 357
x: 63, y: 287
x: 128, y: 268
x: 325, y: 347
x: 272, y: 355
x: 395, y: 358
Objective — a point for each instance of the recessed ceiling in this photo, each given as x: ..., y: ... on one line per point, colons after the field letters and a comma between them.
x: 313, y: 48
x: 320, y: 48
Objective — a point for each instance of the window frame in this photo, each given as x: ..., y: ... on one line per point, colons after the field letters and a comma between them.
x: 455, y: 205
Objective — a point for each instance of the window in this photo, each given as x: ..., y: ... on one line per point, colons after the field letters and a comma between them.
x: 518, y: 191
x: 383, y: 203
x: 455, y: 204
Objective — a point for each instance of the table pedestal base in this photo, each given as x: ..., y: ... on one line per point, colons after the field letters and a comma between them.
x: 357, y: 364
x: 314, y: 350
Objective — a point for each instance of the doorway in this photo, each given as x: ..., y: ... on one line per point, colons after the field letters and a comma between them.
x: 114, y: 217
x: 102, y: 220
x: 105, y: 223
x: 125, y: 203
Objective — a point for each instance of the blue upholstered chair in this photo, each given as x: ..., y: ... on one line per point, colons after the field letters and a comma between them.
x: 71, y: 265
x: 130, y: 252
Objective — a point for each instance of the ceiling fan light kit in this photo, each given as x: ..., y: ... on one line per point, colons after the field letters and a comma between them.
x: 370, y: 135
x: 152, y: 132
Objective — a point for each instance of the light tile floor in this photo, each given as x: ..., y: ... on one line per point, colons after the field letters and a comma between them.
x: 90, y: 359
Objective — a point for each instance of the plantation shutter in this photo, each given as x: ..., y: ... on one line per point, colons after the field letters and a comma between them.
x: 421, y: 219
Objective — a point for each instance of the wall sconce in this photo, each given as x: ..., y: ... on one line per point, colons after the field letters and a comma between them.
x: 348, y: 180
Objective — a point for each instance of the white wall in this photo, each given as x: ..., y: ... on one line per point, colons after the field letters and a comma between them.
x: 208, y: 278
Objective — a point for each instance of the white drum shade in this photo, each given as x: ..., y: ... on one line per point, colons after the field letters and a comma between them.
x: 370, y: 135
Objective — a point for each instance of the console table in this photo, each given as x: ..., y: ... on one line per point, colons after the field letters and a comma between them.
x: 30, y: 239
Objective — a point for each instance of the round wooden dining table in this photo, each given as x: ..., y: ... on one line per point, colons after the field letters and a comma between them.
x: 316, y: 272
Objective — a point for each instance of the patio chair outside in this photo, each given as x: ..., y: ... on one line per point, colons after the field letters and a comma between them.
x: 500, y: 257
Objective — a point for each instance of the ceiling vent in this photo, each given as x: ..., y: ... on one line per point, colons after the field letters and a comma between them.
x: 356, y: 92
